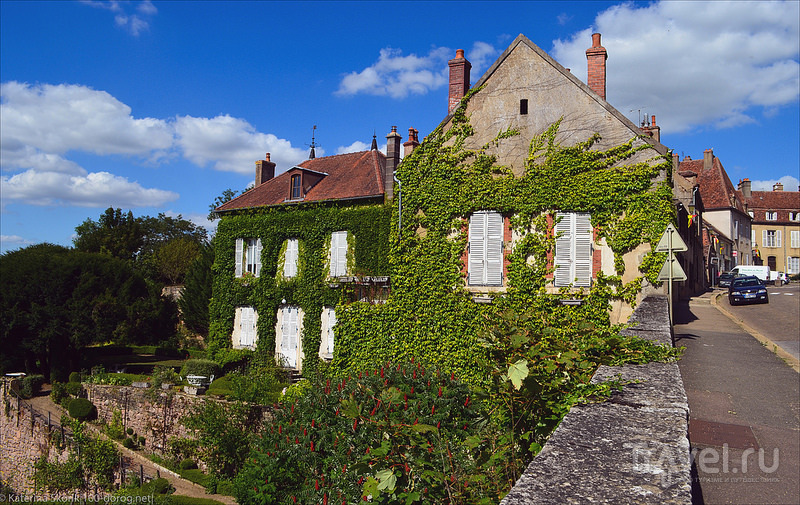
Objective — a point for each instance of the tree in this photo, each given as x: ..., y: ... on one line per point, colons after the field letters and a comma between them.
x: 226, y: 196
x: 116, y: 234
x: 173, y: 258
x: 197, y: 291
x: 55, y: 301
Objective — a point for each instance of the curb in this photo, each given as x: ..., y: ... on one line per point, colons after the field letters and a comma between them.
x: 790, y: 360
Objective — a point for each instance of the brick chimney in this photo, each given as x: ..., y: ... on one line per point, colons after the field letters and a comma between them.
x: 745, y: 186
x: 459, y: 80
x: 265, y: 170
x: 392, y: 160
x: 651, y: 130
x: 596, y: 57
x: 411, y: 143
x: 777, y: 187
x: 708, y: 159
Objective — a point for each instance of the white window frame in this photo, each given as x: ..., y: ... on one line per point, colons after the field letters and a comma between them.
x: 794, y: 216
x: 795, y: 239
x: 573, y: 254
x: 771, y: 238
x: 248, y: 256
x: 327, y: 339
x: 290, y: 258
x: 248, y: 327
x: 338, y: 253
x: 771, y: 215
x: 792, y: 265
x: 485, y: 249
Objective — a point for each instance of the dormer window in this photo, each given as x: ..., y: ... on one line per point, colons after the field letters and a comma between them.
x: 297, y: 187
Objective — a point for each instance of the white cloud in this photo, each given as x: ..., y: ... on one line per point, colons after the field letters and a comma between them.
x: 789, y: 184
x: 355, y: 147
x: 7, y: 242
x: 134, y: 17
x: 97, y: 189
x: 398, y: 76
x: 695, y: 64
x: 57, y: 118
x: 231, y: 144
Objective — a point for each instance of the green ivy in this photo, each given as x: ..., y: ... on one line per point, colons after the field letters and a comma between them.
x: 312, y: 224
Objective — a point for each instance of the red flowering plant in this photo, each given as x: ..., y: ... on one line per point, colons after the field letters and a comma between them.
x: 397, y: 434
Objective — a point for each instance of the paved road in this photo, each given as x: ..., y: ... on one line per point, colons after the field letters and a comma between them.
x: 779, y: 320
x: 744, y: 401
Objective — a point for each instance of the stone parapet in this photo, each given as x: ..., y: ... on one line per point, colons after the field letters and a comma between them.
x: 632, y: 448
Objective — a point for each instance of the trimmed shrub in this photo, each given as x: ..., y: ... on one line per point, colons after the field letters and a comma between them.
x: 128, y: 444
x: 82, y: 409
x: 74, y: 389
x: 195, y: 476
x: 129, y: 431
x: 204, y: 367
x: 188, y: 464
x: 225, y: 487
x: 141, y: 440
x: 30, y: 385
x: 161, y: 486
x: 75, y: 377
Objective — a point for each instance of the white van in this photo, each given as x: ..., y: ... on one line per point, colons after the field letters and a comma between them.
x: 760, y: 271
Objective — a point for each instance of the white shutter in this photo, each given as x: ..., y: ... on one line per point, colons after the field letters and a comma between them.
x: 476, y: 259
x: 583, y: 250
x: 777, y: 238
x: 494, y: 249
x: 248, y: 326
x: 289, y: 335
x: 258, y: 258
x: 329, y: 318
x: 290, y: 259
x: 563, y: 258
x: 239, y: 257
x: 795, y: 241
x: 338, y: 253
x: 764, y: 239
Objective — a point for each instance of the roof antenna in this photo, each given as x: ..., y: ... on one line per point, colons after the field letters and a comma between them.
x: 313, y: 153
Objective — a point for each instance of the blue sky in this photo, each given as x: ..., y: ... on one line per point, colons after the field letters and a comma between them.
x: 161, y: 106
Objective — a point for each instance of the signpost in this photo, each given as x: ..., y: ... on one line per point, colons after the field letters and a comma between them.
x: 671, y: 243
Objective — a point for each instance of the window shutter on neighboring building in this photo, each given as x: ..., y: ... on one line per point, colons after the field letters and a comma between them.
x: 247, y: 326
x: 290, y: 259
x: 258, y: 258
x: 583, y: 250
x: 338, y: 253
x: 239, y: 257
x: 485, y: 259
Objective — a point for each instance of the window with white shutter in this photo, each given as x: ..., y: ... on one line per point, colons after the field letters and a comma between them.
x: 771, y: 238
x: 248, y: 256
x: 289, y: 338
x: 573, y: 255
x: 338, y: 254
x: 247, y: 326
x: 327, y: 337
x: 485, y: 255
x: 795, y: 239
x: 290, y: 258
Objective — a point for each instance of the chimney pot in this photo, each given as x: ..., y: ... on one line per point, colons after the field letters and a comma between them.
x: 777, y: 187
x: 265, y: 170
x: 267, y: 157
x: 459, y: 53
x: 392, y: 160
x: 745, y: 186
x: 708, y: 159
x: 412, y: 143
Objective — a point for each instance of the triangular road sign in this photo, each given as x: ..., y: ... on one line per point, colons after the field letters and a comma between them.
x: 671, y: 238
x: 677, y: 271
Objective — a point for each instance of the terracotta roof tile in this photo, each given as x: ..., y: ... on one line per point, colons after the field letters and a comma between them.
x: 348, y: 176
x: 781, y: 202
x: 716, y: 188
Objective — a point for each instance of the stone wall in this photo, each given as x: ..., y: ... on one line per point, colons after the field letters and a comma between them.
x: 24, y: 438
x: 632, y: 448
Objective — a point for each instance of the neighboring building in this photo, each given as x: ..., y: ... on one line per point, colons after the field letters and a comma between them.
x: 725, y: 207
x: 287, y: 248
x: 776, y: 226
x: 717, y: 252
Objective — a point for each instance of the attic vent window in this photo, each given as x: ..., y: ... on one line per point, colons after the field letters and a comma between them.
x: 297, y: 187
x: 523, y: 106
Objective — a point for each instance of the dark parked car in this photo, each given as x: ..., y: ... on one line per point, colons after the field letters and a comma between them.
x: 725, y: 278
x: 747, y: 289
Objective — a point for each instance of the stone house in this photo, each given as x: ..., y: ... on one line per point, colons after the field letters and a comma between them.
x: 725, y: 207
x: 775, y: 231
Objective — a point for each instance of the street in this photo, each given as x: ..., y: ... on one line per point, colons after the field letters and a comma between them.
x: 744, y: 398
x: 779, y: 320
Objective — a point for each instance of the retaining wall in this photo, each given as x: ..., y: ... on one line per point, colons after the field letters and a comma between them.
x: 632, y: 448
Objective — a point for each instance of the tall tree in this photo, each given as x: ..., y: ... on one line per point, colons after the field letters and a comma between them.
x: 116, y: 234
x: 197, y: 291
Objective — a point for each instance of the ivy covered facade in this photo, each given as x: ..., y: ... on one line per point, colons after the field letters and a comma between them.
x: 534, y: 194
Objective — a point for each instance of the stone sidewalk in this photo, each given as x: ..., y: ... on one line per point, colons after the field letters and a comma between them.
x: 744, y: 402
